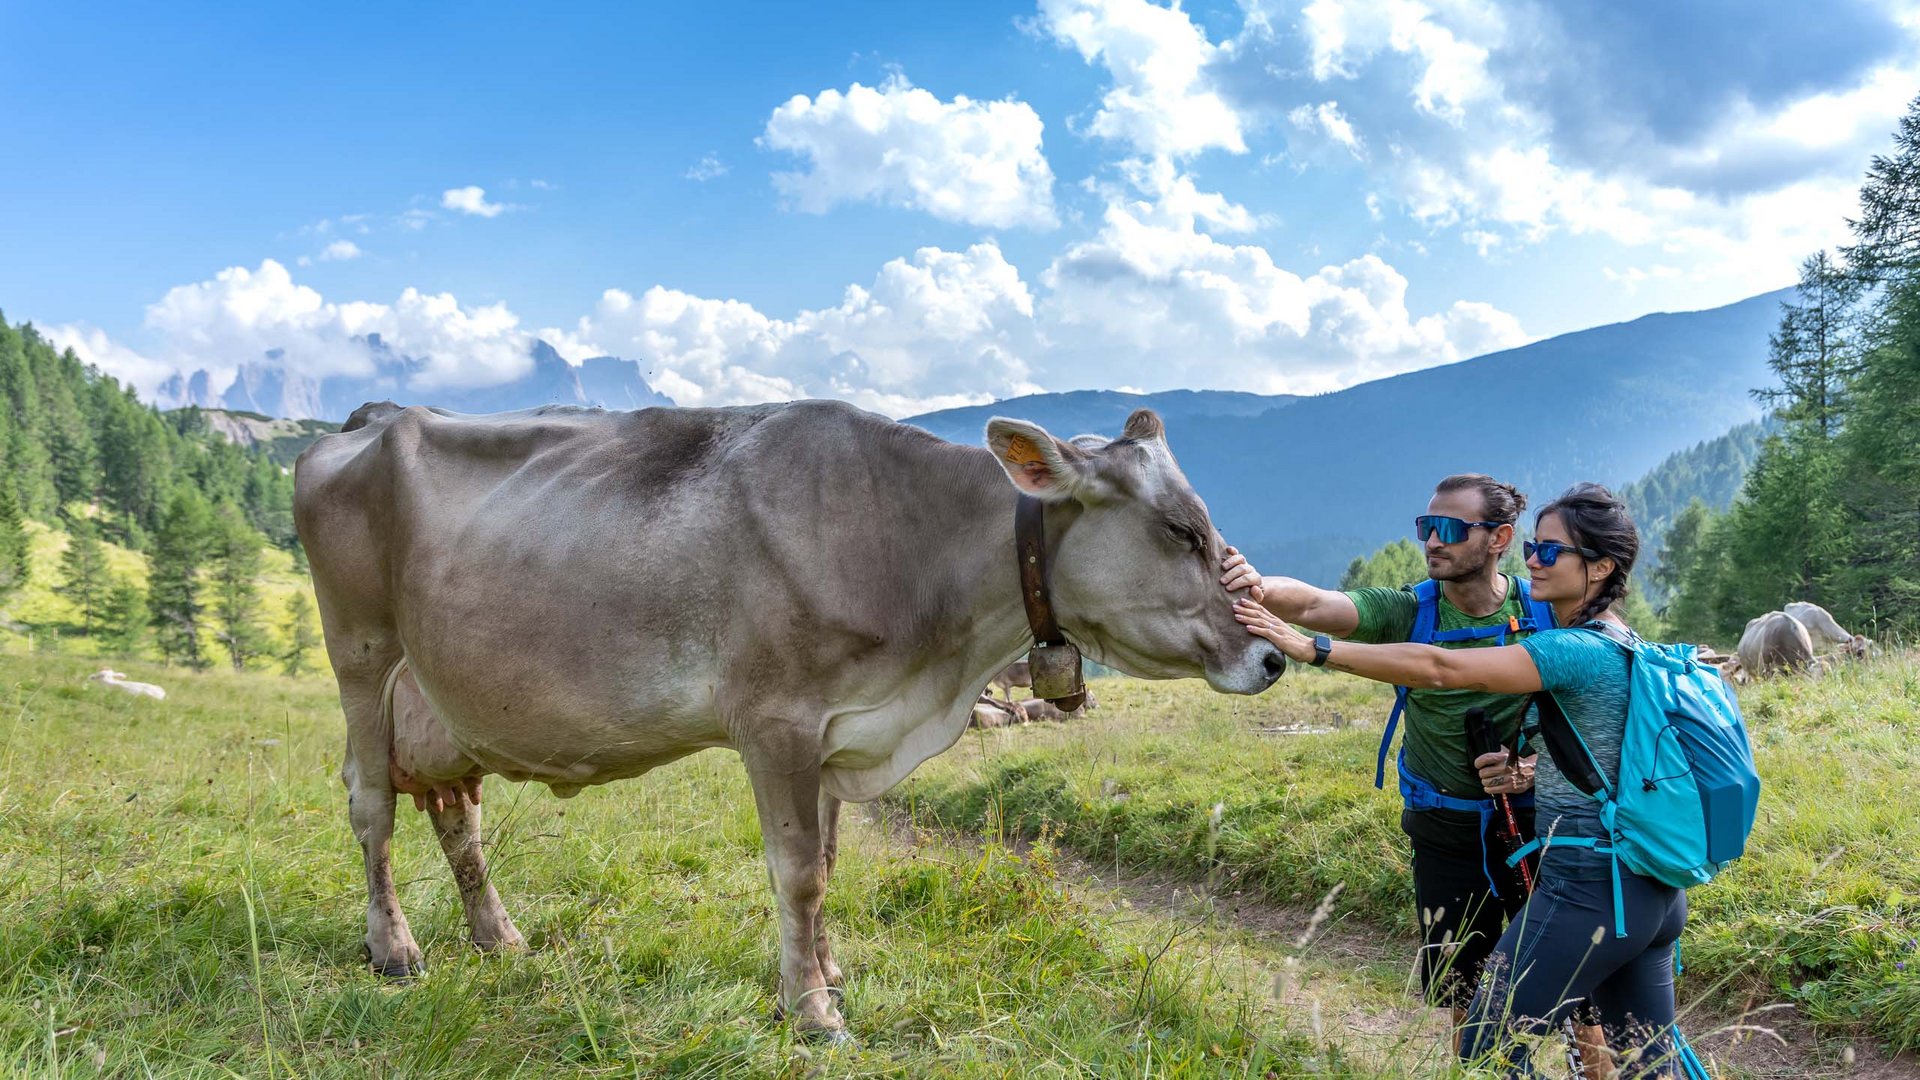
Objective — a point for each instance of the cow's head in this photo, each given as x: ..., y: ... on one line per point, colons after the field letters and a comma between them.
x: 1136, y: 570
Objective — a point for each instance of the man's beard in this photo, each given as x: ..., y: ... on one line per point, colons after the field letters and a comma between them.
x: 1460, y: 570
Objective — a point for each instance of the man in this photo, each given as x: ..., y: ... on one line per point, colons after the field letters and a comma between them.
x: 1463, y: 890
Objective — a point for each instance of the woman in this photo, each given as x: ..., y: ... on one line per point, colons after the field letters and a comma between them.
x: 1562, y: 946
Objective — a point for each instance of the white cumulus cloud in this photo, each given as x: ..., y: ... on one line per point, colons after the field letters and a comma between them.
x: 1155, y: 301
x: 1163, y: 101
x: 935, y: 330
x: 471, y: 199
x: 340, y: 251
x: 709, y: 167
x: 974, y: 162
x: 243, y: 315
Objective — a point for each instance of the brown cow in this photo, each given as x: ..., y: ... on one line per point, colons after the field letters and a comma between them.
x: 575, y: 596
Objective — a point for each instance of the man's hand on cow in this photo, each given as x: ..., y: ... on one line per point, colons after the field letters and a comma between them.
x: 1500, y: 778
x: 1239, y: 574
x: 1263, y: 623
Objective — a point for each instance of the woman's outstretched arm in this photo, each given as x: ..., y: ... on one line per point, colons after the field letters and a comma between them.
x: 1506, y: 669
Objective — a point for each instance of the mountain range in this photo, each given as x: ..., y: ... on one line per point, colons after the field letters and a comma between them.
x: 1305, y: 484
x: 272, y: 387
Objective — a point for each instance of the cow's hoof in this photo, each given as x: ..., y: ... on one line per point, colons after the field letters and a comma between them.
x: 838, y: 1038
x: 400, y: 970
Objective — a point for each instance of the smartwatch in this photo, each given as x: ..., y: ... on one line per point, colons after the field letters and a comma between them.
x: 1322, y: 647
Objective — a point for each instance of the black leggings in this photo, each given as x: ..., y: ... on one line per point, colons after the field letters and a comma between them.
x: 1460, y: 917
x: 1563, y: 948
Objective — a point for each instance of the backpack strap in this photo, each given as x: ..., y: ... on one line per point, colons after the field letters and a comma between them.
x: 1539, y: 612
x: 1567, y: 749
x: 1426, y: 615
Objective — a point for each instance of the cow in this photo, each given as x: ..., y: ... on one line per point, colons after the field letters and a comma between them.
x: 1032, y: 709
x: 110, y: 677
x: 1019, y: 673
x: 1773, y: 643
x: 574, y: 596
x: 988, y: 712
x: 1823, y: 628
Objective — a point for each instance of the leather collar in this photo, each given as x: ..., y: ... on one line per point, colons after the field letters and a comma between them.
x: 1053, y: 657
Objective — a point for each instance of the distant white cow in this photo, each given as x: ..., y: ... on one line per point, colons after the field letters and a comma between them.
x: 1822, y: 627
x: 1773, y: 643
x: 110, y: 677
x: 1786, y: 641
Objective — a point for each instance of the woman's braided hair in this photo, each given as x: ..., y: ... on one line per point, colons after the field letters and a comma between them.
x: 1596, y: 519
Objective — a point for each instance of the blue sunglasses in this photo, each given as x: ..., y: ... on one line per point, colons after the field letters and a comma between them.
x: 1452, y: 530
x: 1548, y: 551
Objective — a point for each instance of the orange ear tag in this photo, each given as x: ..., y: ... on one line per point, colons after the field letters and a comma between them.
x: 1021, y: 451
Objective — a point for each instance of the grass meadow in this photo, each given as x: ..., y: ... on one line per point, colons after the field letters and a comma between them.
x: 180, y: 896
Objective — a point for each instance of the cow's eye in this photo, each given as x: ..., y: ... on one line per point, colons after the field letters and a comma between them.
x: 1183, y: 535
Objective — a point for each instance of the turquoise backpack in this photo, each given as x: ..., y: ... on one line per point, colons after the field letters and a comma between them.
x: 1685, y: 797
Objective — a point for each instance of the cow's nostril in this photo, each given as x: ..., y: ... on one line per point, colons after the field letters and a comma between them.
x: 1274, y: 664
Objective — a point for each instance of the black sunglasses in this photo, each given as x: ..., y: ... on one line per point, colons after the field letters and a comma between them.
x: 1548, y: 551
x: 1452, y: 530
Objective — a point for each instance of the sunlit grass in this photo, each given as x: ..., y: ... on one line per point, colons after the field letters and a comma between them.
x: 180, y: 896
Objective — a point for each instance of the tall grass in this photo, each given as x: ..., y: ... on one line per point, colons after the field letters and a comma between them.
x: 180, y: 896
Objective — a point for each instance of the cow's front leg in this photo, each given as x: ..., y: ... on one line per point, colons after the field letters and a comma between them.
x: 830, y: 853
x: 790, y: 818
x: 458, y: 826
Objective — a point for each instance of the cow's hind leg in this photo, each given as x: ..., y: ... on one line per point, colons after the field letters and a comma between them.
x: 790, y: 810
x: 458, y: 826
x: 830, y: 853
x: 391, y: 950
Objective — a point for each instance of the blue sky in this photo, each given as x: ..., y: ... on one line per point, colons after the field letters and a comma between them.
x: 912, y: 206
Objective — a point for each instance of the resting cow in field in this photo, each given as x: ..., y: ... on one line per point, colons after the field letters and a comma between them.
x: 1773, y: 643
x: 1824, y: 629
x: 110, y: 677
x: 579, y: 596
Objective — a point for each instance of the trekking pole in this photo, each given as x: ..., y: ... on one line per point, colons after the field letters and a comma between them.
x: 1482, y: 740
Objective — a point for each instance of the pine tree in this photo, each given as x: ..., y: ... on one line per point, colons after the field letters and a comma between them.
x: 123, y: 618
x: 301, y: 636
x: 83, y: 572
x: 234, y: 572
x: 181, y: 544
x: 13, y: 541
x: 1814, y: 351
x: 1888, y: 228
x: 1681, y: 549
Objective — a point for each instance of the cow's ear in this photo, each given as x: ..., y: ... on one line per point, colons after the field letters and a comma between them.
x: 1036, y: 462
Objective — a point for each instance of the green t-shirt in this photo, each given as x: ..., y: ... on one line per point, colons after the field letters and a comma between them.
x: 1435, y: 724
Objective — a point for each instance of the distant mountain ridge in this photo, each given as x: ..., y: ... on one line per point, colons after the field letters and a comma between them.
x: 1079, y: 412
x: 271, y: 388
x: 1308, y: 483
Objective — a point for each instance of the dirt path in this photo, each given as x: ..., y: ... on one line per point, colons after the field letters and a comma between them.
x: 1353, y: 980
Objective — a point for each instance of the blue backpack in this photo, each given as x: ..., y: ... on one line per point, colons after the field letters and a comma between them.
x: 1686, y: 794
x: 1426, y: 616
